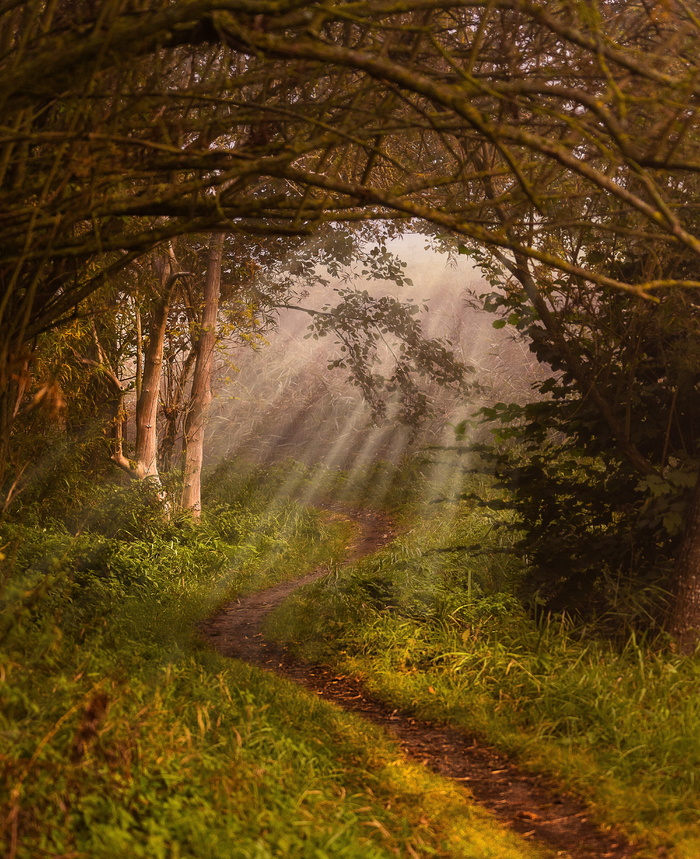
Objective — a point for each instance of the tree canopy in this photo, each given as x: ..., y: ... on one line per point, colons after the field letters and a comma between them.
x: 556, y: 132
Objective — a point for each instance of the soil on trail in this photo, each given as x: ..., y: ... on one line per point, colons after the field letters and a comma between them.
x: 528, y: 804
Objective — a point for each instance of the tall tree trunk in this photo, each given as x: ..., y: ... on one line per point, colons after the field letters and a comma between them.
x: 146, y: 453
x: 684, y: 619
x: 147, y: 403
x: 200, y: 397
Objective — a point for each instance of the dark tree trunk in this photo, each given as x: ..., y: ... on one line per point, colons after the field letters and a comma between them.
x: 684, y: 619
x: 14, y: 380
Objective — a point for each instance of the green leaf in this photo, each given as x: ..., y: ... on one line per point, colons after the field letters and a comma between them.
x: 673, y: 522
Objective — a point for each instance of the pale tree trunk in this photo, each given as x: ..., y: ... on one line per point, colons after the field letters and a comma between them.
x: 684, y: 620
x: 200, y: 398
x: 147, y: 404
x: 146, y: 453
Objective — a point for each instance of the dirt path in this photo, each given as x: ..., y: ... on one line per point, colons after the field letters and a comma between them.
x: 527, y: 804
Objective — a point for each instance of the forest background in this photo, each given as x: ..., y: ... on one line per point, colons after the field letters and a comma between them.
x: 177, y: 174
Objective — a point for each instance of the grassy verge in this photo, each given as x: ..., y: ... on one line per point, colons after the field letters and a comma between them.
x: 433, y: 631
x: 122, y: 735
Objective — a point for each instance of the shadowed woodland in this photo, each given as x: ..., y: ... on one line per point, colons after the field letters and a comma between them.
x: 181, y: 180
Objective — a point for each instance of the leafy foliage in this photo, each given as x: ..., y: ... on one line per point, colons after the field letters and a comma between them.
x: 600, y: 465
x: 594, y: 541
x: 363, y: 323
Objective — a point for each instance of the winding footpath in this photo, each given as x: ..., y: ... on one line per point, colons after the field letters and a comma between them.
x: 528, y: 804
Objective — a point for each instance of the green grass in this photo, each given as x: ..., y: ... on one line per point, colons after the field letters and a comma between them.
x: 122, y: 735
x: 435, y: 633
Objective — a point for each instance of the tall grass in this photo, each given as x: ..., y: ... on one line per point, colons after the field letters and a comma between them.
x: 440, y: 633
x: 121, y: 734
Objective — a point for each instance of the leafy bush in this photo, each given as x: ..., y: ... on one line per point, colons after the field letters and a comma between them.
x: 594, y: 540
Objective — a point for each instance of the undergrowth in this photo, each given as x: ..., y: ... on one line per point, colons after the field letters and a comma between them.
x: 122, y: 735
x: 439, y: 632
